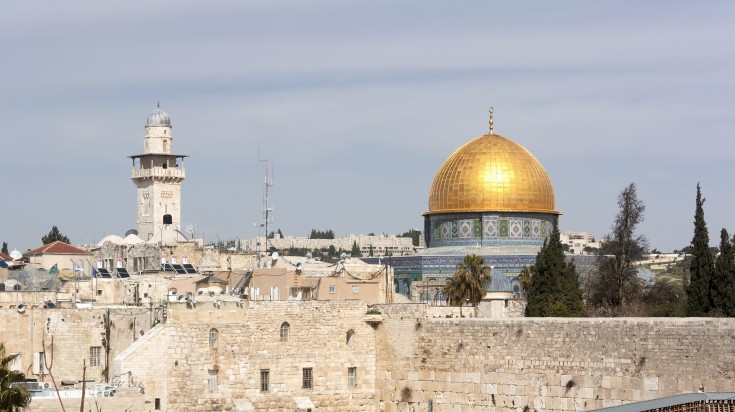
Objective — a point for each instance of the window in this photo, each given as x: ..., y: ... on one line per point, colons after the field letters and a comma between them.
x: 2, y: 287
x: 38, y: 363
x: 264, y: 376
x: 332, y: 288
x: 284, y: 331
x: 212, y: 380
x: 307, y: 378
x: 355, y: 289
x: 350, y: 337
x: 16, y: 286
x: 213, y: 338
x: 16, y: 364
x: 352, y: 377
x: 158, y: 404
x: 94, y: 355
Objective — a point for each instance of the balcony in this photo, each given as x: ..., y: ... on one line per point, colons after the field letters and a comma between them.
x: 158, y: 172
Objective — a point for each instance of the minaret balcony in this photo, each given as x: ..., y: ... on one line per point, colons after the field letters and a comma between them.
x: 158, y: 172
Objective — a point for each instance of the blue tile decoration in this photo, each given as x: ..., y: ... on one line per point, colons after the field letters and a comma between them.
x: 503, y: 228
x: 477, y: 228
x: 515, y: 229
x: 490, y: 228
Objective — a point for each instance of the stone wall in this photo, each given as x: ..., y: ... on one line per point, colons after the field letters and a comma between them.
x: 406, y: 357
x: 548, y: 364
x: 248, y: 342
x: 73, y: 331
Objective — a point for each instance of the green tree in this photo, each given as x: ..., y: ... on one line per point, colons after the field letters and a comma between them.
x: 12, y: 399
x: 53, y: 236
x: 553, y: 283
x: 615, y: 284
x: 371, y: 251
x: 5, y: 248
x: 318, y: 234
x: 721, y: 285
x: 701, y: 268
x: 414, y: 234
x: 468, y: 282
x: 664, y: 299
x: 355, y: 250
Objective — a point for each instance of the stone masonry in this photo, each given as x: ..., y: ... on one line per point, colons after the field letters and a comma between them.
x: 405, y: 358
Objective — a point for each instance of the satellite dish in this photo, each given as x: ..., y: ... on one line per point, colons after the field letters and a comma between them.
x: 308, y: 255
x: 299, y: 266
x: 131, y: 232
x: 343, y: 256
x: 15, y: 254
x: 274, y: 256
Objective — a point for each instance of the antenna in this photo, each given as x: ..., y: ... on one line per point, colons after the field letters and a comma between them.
x: 268, y: 182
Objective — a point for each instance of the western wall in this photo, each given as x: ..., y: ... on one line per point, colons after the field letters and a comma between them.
x: 406, y: 358
x: 550, y: 364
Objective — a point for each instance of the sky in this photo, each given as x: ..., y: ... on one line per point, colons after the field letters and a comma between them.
x: 355, y: 105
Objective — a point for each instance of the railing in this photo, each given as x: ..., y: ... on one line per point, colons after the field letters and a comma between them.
x: 158, y: 171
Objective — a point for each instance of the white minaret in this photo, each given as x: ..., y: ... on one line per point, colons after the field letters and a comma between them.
x: 158, y: 173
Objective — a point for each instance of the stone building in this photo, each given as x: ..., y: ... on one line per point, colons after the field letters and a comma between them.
x: 299, y: 278
x: 378, y: 245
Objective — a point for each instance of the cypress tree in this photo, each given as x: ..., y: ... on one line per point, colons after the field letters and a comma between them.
x: 720, y: 285
x: 355, y: 250
x: 5, y: 248
x: 701, y: 268
x: 554, y: 284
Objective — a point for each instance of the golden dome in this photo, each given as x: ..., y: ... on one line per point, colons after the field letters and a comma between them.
x: 491, y: 174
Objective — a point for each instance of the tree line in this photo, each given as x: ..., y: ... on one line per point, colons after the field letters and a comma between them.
x: 614, y: 286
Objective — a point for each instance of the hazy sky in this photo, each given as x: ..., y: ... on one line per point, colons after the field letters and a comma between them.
x: 357, y: 104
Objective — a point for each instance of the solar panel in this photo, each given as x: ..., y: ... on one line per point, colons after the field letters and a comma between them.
x: 104, y: 273
x: 167, y: 267
x: 179, y: 269
x: 189, y: 268
x: 123, y: 273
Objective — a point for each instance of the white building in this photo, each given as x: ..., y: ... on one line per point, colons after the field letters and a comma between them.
x: 381, y: 245
x: 578, y: 241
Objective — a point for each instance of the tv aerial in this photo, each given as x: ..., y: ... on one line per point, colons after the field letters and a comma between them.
x: 191, y: 229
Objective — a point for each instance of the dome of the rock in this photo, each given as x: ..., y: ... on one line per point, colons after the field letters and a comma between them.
x: 491, y: 174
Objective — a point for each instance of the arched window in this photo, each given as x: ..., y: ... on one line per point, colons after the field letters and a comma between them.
x: 284, y: 331
x: 213, y: 334
x: 16, y: 286
x: 165, y: 146
x: 350, y: 337
x: 2, y: 287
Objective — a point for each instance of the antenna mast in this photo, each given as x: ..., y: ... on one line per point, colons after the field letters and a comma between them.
x: 268, y: 182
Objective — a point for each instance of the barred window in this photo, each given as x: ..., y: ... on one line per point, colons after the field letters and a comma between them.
x: 307, y: 378
x: 213, y: 334
x: 264, y: 376
x: 212, y: 380
x: 94, y: 355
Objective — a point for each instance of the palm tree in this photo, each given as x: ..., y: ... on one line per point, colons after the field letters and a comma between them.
x: 12, y: 399
x: 468, y: 283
